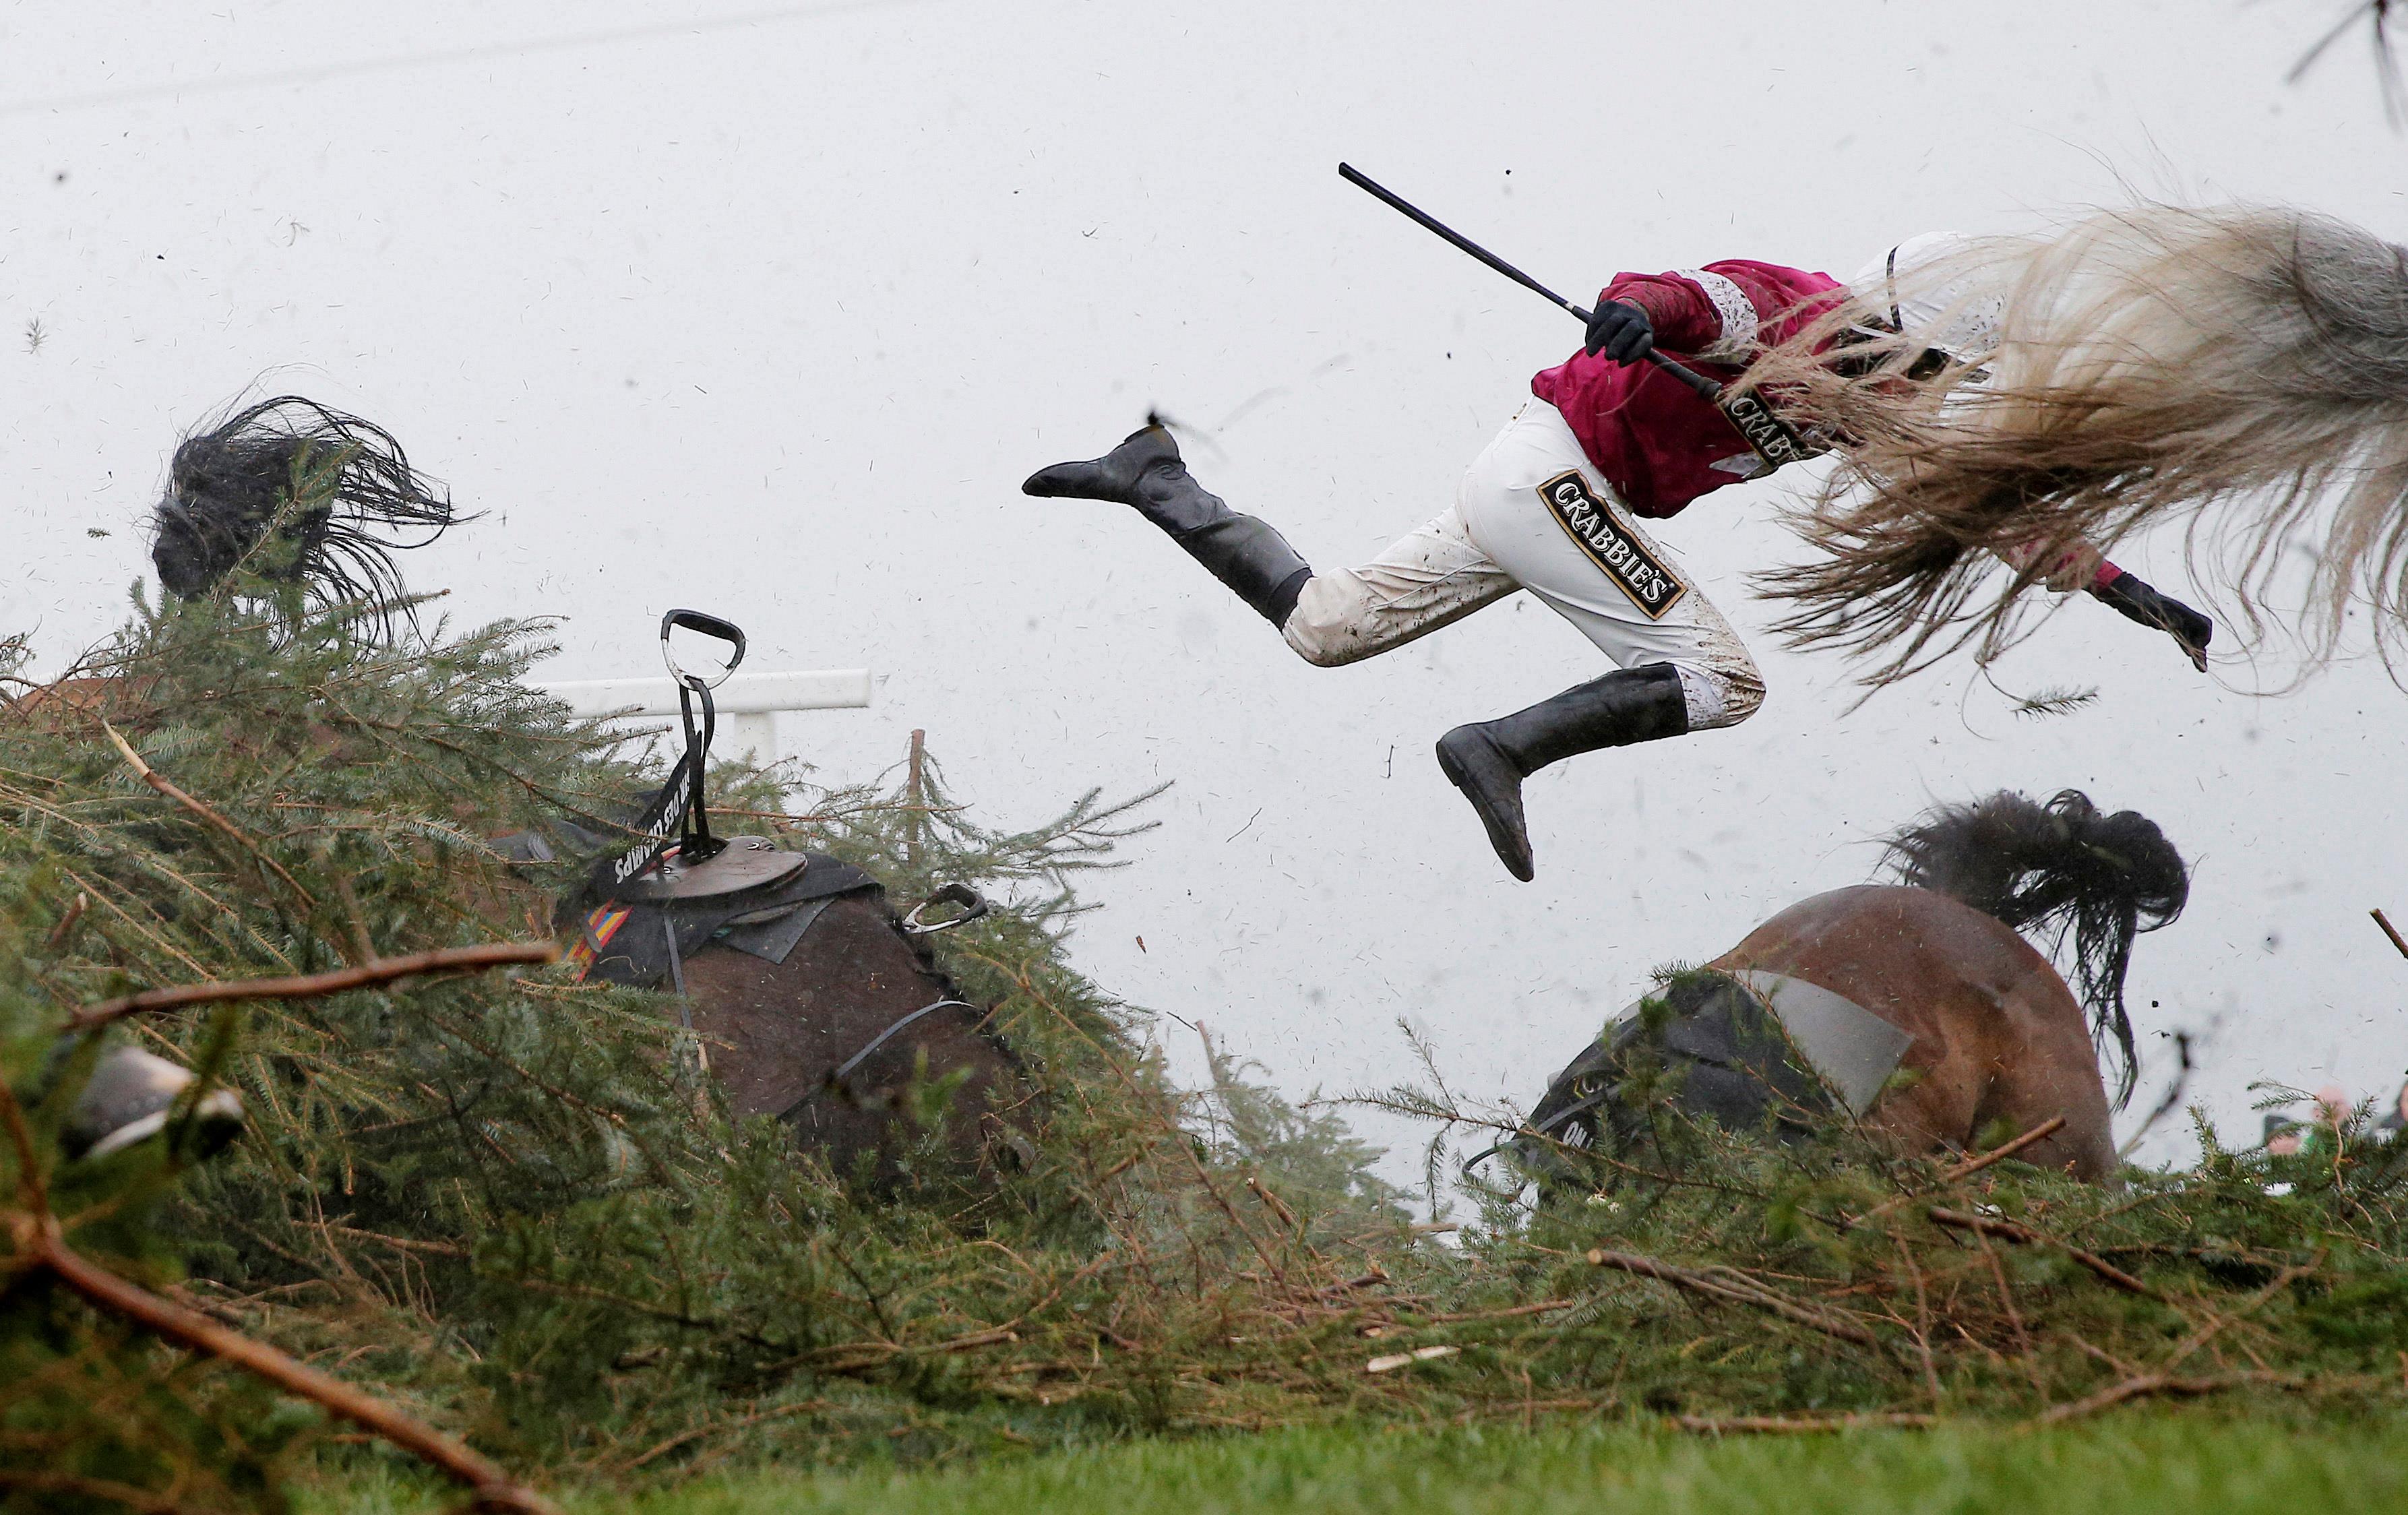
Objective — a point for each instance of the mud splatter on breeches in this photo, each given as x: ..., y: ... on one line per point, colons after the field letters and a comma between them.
x: 1501, y: 536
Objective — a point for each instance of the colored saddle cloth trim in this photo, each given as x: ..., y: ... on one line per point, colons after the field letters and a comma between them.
x: 627, y: 941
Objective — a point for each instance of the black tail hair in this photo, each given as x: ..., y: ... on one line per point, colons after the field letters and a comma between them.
x: 337, y: 489
x: 2056, y: 869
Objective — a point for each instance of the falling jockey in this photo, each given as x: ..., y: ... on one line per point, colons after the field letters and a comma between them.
x: 1553, y: 505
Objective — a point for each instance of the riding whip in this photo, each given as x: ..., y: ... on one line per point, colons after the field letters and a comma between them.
x: 1774, y: 440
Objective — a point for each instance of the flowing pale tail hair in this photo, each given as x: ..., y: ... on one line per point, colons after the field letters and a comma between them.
x: 2242, y: 369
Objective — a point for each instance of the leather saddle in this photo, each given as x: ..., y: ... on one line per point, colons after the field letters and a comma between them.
x: 751, y: 896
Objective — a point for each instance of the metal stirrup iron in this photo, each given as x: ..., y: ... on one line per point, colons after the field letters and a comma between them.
x: 680, y: 806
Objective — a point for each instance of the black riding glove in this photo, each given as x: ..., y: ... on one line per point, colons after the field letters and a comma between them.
x: 1621, y: 331
x: 2140, y: 602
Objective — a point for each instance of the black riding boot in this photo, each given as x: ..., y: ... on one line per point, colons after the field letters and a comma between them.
x: 1489, y: 760
x: 1146, y: 471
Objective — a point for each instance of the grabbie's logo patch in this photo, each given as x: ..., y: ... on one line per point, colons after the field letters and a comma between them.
x: 1771, y: 440
x: 1650, y: 585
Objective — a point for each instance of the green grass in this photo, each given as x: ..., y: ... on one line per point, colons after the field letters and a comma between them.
x: 2128, y: 1464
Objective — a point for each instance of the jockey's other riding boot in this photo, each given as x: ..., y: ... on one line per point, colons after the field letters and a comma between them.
x: 1489, y: 760
x: 1147, y: 472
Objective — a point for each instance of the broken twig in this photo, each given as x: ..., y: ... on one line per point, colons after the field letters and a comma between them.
x: 1971, y: 1165
x: 494, y: 1489
x: 156, y: 780
x: 2161, y: 1384
x: 2010, y: 1230
x: 374, y: 971
x: 2390, y: 930
x: 1783, y: 1425
x: 1725, y: 1288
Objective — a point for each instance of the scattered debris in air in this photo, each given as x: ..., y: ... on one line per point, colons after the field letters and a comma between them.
x: 2050, y: 702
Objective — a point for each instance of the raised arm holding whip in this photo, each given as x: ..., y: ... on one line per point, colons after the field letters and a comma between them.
x: 1622, y: 431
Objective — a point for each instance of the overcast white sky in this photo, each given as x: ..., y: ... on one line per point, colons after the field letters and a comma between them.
x: 768, y: 310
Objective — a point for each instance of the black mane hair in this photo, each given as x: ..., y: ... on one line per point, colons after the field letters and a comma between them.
x: 291, y: 492
x: 2056, y: 870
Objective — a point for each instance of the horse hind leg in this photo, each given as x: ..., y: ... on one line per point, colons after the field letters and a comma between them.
x: 2049, y: 1071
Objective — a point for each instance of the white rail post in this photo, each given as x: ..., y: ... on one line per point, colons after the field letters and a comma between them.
x: 749, y: 704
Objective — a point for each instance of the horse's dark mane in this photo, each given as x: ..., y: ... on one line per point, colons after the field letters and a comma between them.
x: 2056, y: 870
x: 295, y: 491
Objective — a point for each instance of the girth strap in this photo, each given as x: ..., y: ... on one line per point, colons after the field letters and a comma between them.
x: 880, y: 1040
x: 841, y: 1071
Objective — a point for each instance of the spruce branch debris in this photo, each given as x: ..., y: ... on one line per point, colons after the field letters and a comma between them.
x: 512, y: 1207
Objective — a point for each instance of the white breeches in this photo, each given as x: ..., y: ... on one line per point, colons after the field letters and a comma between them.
x: 1503, y: 534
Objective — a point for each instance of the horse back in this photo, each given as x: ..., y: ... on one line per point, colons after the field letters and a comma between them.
x: 1999, y: 1037
x: 799, y: 1021
x: 814, y: 1006
x: 1887, y: 947
x: 833, y: 1038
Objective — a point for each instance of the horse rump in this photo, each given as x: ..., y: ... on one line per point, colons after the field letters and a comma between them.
x: 288, y: 491
x: 2060, y: 872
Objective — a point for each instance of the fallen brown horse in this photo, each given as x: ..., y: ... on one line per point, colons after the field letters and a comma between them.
x: 810, y: 1002
x: 1917, y: 1007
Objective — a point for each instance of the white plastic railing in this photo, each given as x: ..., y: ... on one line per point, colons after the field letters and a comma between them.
x: 749, y: 704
